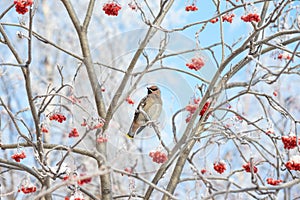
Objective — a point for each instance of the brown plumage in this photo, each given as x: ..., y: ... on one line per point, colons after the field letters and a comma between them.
x: 152, y: 105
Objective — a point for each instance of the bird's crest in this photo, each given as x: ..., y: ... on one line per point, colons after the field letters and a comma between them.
x: 152, y: 89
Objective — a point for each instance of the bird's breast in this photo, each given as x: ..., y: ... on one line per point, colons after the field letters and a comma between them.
x: 155, y: 111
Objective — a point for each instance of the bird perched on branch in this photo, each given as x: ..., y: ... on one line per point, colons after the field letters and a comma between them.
x: 149, y: 109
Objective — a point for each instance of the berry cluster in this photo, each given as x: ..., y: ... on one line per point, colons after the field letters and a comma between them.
x: 129, y: 101
x: 191, y: 108
x: 205, y: 107
x: 133, y: 6
x: 220, y: 167
x: 73, y: 133
x: 196, y: 64
x: 191, y: 8
x: 21, y: 6
x: 57, y: 117
x: 111, y: 8
x: 228, y: 18
x: 251, y: 17
x: 215, y: 20
x: 99, y: 125
x: 289, y: 142
x: 18, y: 156
x: 294, y: 163
x: 271, y: 181
x: 270, y: 131
x: 238, y: 118
x: 158, y: 157
x: 27, y: 190
x: 128, y: 170
x: 247, y: 168
x: 84, y: 181
x: 284, y: 56
x: 92, y: 125
x: 44, y: 129
x: 203, y: 171
x: 101, y: 139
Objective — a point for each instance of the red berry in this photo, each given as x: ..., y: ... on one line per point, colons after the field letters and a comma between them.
x: 219, y: 167
x: 228, y: 17
x: 196, y: 63
x: 289, y: 142
x: 270, y: 131
x: 129, y: 101
x: 111, y: 8
x: 44, y: 129
x: 215, y: 20
x: 205, y: 107
x: 272, y: 181
x: 21, y: 6
x: 251, y: 17
x: 73, y: 133
x: 191, y: 8
x: 247, y: 168
x: 294, y: 163
x: 18, y: 156
x: 158, y: 157
x: 84, y: 181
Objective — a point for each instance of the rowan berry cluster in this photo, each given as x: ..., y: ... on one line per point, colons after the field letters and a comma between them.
x: 129, y: 101
x: 228, y: 17
x: 57, y: 117
x: 251, y: 17
x: 27, y: 190
x: 101, y: 139
x: 220, y: 167
x: 73, y: 133
x: 95, y: 124
x: 128, y: 170
x: 196, y: 63
x: 192, y: 8
x: 111, y: 8
x: 18, y: 156
x: 21, y: 6
x: 192, y: 107
x: 294, y: 163
x: 203, y: 171
x: 215, y: 20
x: 271, y: 181
x: 289, y: 142
x: 284, y: 56
x: 84, y: 181
x: 44, y: 129
x: 133, y: 6
x: 204, y: 109
x: 99, y: 125
x: 158, y: 157
x: 270, y: 131
x: 247, y: 168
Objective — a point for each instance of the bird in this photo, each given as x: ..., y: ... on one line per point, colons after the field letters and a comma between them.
x: 149, y: 109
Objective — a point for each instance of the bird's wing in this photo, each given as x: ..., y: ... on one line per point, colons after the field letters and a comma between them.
x: 142, y: 104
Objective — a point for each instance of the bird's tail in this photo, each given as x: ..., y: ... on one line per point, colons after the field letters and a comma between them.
x: 130, y: 134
